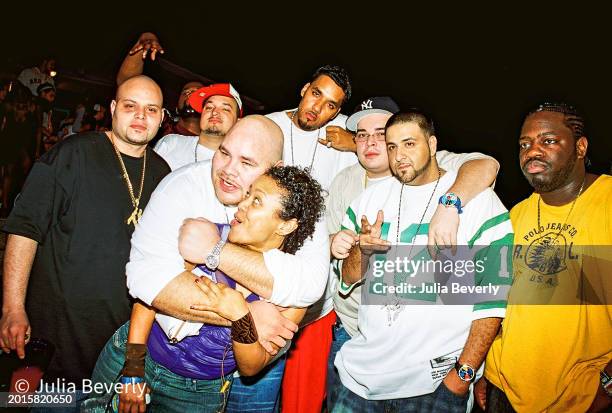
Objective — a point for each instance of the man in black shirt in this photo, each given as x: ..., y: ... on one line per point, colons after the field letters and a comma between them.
x: 69, y: 235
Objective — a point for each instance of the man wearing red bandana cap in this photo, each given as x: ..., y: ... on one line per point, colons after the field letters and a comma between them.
x: 220, y: 107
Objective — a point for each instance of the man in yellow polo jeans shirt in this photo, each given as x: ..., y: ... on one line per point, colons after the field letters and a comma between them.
x: 556, y: 339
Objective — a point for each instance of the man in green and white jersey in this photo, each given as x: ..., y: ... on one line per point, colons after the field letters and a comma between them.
x: 402, y: 353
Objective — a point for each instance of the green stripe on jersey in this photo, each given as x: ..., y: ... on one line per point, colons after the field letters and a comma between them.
x: 487, y: 305
x: 496, y: 261
x: 489, y: 223
x: 384, y: 230
x: 353, y: 218
x: 409, y: 233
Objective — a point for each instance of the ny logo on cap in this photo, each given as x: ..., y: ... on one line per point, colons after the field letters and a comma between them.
x: 366, y: 104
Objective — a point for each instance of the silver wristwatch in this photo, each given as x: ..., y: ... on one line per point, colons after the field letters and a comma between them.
x: 212, y: 259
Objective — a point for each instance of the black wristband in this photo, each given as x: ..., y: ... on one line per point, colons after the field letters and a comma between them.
x: 134, y: 365
x: 243, y: 330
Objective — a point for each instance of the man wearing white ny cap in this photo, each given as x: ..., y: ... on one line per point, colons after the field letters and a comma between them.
x: 220, y: 106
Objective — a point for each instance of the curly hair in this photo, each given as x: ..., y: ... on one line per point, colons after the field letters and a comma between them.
x: 302, y: 200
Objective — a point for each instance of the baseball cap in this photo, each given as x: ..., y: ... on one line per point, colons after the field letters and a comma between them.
x: 369, y: 106
x: 197, y: 98
x: 45, y: 86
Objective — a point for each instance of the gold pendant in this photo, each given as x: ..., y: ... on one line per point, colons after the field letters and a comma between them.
x: 135, y: 217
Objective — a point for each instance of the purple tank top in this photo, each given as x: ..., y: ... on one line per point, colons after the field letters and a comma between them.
x: 198, y: 357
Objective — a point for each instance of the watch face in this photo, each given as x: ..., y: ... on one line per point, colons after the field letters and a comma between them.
x: 212, y: 261
x: 449, y: 199
x: 466, y: 373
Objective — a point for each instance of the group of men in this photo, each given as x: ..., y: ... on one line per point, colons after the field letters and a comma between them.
x: 81, y: 225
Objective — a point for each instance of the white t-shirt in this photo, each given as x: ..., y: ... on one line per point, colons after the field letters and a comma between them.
x: 32, y: 77
x: 302, y: 148
x: 347, y: 186
x: 407, y: 352
x: 180, y: 150
x: 328, y: 162
x: 188, y: 192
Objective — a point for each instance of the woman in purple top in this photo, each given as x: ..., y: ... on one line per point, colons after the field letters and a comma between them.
x: 280, y: 211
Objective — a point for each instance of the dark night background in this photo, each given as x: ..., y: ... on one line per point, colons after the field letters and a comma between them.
x: 477, y: 69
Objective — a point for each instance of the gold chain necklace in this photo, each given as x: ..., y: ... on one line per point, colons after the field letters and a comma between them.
x: 137, y: 213
x: 568, y: 214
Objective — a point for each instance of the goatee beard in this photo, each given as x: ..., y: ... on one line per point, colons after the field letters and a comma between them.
x: 541, y: 185
x: 305, y: 127
x: 405, y: 179
x: 213, y: 131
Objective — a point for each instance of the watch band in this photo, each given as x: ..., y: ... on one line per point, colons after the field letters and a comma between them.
x: 131, y: 380
x: 217, y: 248
x: 606, y: 382
x: 212, y: 259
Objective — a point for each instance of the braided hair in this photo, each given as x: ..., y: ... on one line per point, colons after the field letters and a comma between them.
x: 572, y: 118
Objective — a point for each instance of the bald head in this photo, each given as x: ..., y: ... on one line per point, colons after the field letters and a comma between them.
x: 140, y: 83
x: 249, y: 149
x: 264, y: 133
x: 137, y: 113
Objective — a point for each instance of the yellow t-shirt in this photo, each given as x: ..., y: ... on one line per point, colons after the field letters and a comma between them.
x: 557, y: 334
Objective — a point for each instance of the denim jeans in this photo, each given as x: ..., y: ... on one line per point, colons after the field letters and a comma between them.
x: 441, y: 400
x: 169, y: 392
x: 339, y: 337
x: 258, y: 393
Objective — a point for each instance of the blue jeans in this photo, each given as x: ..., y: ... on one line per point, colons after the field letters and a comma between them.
x: 259, y: 393
x: 441, y: 400
x: 169, y: 392
x: 339, y: 337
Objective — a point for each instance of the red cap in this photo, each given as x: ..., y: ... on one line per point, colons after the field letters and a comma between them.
x: 197, y: 98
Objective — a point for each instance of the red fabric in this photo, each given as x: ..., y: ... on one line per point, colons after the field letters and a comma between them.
x: 304, y: 382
